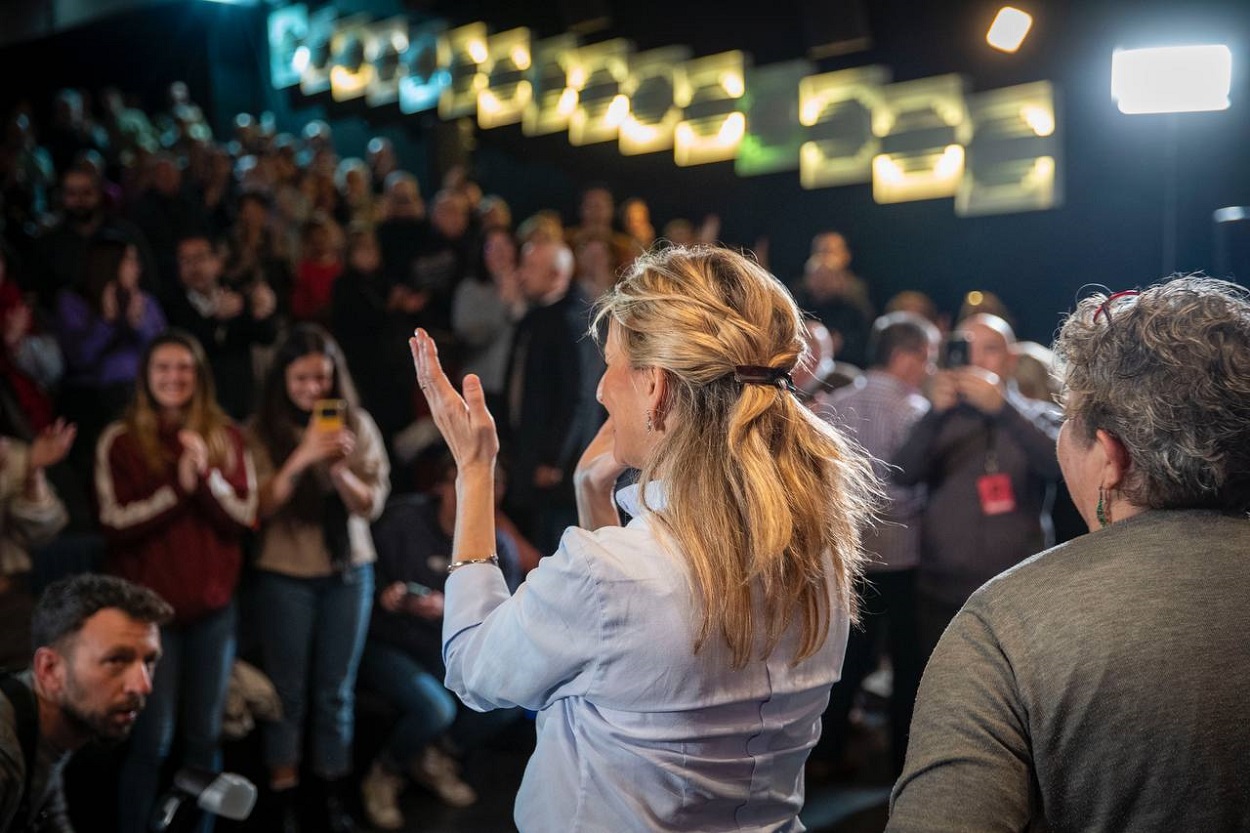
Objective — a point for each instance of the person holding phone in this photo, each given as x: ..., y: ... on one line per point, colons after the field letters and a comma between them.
x: 323, y: 476
x: 987, y: 455
x: 679, y: 665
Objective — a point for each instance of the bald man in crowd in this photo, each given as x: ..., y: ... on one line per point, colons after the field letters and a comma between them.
x: 987, y: 455
x: 550, y: 388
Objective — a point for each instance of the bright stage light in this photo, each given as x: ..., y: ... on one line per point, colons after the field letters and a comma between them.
x: 1009, y: 29
x: 1175, y: 79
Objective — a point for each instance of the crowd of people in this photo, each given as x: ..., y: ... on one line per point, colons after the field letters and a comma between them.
x: 202, y: 378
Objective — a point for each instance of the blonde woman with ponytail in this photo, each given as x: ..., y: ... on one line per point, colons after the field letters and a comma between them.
x: 679, y: 664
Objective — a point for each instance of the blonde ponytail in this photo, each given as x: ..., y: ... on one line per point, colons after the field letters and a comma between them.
x: 765, y: 501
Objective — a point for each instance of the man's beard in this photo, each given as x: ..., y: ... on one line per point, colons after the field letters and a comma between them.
x: 98, y: 727
x: 81, y: 216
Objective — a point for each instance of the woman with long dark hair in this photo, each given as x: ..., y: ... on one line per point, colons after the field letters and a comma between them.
x: 177, y: 491
x: 323, y: 478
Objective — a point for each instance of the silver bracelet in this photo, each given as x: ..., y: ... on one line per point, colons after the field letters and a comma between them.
x: 456, y: 565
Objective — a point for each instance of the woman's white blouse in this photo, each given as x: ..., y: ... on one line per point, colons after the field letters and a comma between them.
x: 635, y: 731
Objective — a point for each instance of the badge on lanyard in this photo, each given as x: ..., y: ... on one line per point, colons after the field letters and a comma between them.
x: 994, y: 488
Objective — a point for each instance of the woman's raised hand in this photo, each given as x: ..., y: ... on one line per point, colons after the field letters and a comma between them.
x: 465, y: 423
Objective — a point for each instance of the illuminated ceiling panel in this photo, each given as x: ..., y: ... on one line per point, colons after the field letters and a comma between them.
x: 553, y: 98
x: 426, y: 70
x: 312, y: 57
x: 508, y: 88
x: 714, y: 123
x: 923, y: 126
x: 599, y: 75
x: 469, y: 51
x: 771, y: 104
x: 385, y: 47
x: 1013, y: 161
x: 288, y: 29
x: 837, y: 107
x: 656, y: 94
x: 350, y: 72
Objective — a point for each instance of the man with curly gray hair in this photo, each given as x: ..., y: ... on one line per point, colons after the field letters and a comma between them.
x: 1100, y: 685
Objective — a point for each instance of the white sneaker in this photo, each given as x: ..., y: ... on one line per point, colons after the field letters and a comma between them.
x: 435, y: 770
x: 379, y: 791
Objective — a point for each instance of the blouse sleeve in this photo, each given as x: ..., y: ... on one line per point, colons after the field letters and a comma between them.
x: 529, y: 649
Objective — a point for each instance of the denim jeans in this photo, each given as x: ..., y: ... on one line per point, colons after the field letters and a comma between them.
x: 312, y: 634
x: 427, y: 709
x: 188, y: 694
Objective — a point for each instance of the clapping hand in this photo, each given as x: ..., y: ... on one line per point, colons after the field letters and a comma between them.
x: 193, y: 462
x: 52, y: 444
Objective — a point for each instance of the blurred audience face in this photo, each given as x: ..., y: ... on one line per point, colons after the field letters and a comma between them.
x: 493, y: 212
x: 199, y: 267
x: 541, y: 274
x: 253, y: 213
x: 364, y: 254
x: 166, y: 176
x: 404, y: 199
x: 499, y: 252
x: 990, y: 347
x: 381, y: 157
x: 597, y: 208
x: 636, y: 220
x: 171, y: 377
x: 308, y: 379
x: 80, y: 193
x: 450, y: 215
x: 679, y: 232
x: 829, y: 249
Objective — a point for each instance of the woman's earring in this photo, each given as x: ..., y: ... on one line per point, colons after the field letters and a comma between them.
x: 650, y: 416
x: 1102, y: 511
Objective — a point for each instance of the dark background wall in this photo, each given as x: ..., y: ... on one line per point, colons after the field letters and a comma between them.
x: 1109, y: 230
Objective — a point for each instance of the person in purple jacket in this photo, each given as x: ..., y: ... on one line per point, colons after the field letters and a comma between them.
x: 103, y: 325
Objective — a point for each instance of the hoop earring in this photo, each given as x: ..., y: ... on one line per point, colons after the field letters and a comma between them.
x: 1102, y: 512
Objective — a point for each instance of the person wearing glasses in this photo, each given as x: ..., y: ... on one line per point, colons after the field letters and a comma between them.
x: 1101, y: 684
x: 679, y: 664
